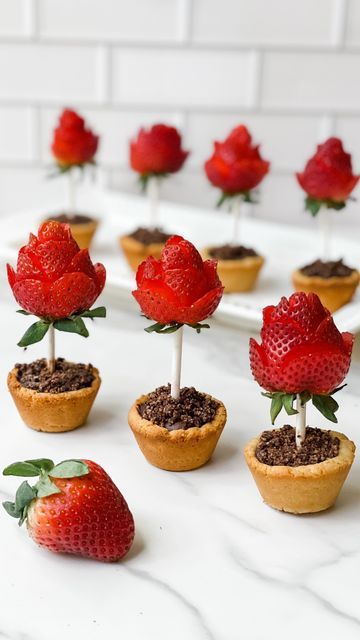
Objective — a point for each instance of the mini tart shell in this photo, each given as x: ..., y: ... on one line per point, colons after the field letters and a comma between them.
x: 239, y: 275
x: 179, y: 450
x: 136, y: 252
x: 306, y: 488
x: 53, y: 412
x: 333, y: 292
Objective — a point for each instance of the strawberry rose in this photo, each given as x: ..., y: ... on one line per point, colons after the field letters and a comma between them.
x: 73, y: 143
x: 302, y: 352
x: 54, y: 278
x: 157, y: 151
x: 236, y: 166
x: 180, y: 288
x: 327, y: 178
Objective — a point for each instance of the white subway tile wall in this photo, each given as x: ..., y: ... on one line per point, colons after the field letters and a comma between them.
x: 287, y: 69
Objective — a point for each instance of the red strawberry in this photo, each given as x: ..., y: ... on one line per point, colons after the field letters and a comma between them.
x: 54, y: 278
x: 180, y: 287
x: 73, y: 508
x: 301, y: 350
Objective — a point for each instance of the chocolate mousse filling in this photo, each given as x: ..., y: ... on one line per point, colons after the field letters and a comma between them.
x: 153, y: 235
x: 278, y: 447
x: 331, y: 269
x: 77, y: 218
x: 231, y: 252
x: 67, y: 376
x: 192, y: 409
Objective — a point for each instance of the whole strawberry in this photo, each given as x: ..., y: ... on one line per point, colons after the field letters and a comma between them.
x: 157, y: 151
x: 73, y: 143
x: 73, y: 508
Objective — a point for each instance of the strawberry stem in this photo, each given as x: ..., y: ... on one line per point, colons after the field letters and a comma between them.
x: 51, y: 360
x: 176, y: 363
x: 153, y: 193
x: 300, y: 420
x: 236, y: 211
x: 71, y: 193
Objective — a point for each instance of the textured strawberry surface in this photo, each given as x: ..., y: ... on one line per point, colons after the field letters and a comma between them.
x: 328, y: 174
x: 180, y: 287
x: 157, y: 151
x: 54, y: 278
x: 236, y: 165
x: 301, y: 349
x: 73, y: 143
x: 90, y: 517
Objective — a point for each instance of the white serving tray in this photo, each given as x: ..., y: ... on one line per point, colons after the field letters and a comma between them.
x: 284, y: 247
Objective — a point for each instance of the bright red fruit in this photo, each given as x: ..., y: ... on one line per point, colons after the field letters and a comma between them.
x: 180, y: 287
x: 54, y: 278
x: 328, y: 174
x: 157, y: 151
x: 236, y: 165
x: 301, y: 349
x: 73, y: 143
x: 87, y: 516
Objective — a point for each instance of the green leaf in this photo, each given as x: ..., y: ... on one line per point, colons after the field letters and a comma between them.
x: 276, y: 406
x: 72, y: 325
x: 10, y: 508
x: 99, y: 312
x: 24, y: 495
x: 25, y: 469
x: 43, y: 464
x: 288, y: 401
x: 159, y: 327
x: 326, y: 405
x: 313, y: 205
x: 331, y: 204
x: 23, y: 312
x: 339, y: 388
x: 70, y: 469
x: 198, y: 326
x: 35, y: 333
x: 45, y: 487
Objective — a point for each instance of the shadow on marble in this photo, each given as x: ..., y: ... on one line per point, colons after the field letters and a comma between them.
x: 223, y: 453
x: 138, y: 546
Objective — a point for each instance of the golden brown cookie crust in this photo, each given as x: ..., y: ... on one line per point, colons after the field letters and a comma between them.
x: 306, y: 488
x: 333, y: 292
x: 53, y: 412
x: 181, y: 449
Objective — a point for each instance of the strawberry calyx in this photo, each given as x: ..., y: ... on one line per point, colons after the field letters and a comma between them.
x: 314, y: 205
x: 246, y: 196
x: 324, y: 403
x: 160, y: 327
x: 45, y: 469
x: 72, y: 324
x: 145, y: 177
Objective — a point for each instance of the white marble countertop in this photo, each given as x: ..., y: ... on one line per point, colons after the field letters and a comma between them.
x: 210, y: 561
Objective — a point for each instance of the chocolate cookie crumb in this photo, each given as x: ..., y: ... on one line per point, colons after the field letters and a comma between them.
x: 331, y: 269
x: 77, y: 218
x: 278, y: 447
x: 193, y: 409
x: 67, y: 376
x: 231, y: 252
x: 150, y: 236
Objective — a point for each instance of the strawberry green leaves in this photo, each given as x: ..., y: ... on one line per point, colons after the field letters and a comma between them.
x: 323, y: 403
x: 313, y: 205
x: 159, y: 327
x: 73, y: 324
x: 45, y: 469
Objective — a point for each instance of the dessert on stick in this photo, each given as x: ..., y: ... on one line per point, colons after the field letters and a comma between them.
x: 74, y: 507
x: 74, y: 147
x: 328, y: 181
x: 302, y: 358
x: 155, y: 154
x: 177, y: 428
x: 237, y: 168
x: 57, y: 282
